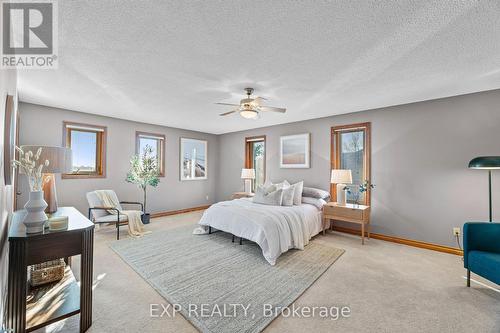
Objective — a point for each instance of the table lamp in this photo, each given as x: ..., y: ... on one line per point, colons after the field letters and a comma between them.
x: 248, y: 175
x: 60, y: 161
x: 486, y: 163
x: 341, y: 178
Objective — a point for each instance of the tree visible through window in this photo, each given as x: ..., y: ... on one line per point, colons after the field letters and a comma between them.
x: 351, y: 151
x: 157, y: 144
x: 255, y: 158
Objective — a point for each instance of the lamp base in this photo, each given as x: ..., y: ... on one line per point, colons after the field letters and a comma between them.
x: 248, y: 186
x: 341, y: 197
x: 49, y: 192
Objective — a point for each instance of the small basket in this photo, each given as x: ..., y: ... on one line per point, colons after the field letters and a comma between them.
x: 46, y: 272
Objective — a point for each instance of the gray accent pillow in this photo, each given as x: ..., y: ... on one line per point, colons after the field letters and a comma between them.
x: 297, y: 193
x: 319, y: 203
x: 268, y: 198
x: 288, y: 194
x: 315, y: 193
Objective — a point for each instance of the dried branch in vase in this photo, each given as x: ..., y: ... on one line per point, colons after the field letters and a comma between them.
x: 29, y: 165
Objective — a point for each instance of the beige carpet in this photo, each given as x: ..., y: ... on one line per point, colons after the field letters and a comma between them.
x: 389, y: 288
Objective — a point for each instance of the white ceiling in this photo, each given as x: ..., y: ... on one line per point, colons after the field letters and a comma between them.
x: 167, y: 62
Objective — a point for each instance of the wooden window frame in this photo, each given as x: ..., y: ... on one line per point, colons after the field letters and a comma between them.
x: 159, y: 137
x: 249, y: 153
x: 101, y: 132
x: 335, y: 154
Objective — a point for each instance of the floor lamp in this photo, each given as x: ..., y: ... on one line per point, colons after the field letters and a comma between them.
x: 486, y: 163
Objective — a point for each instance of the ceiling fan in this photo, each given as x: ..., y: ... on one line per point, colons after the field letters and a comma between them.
x: 249, y: 107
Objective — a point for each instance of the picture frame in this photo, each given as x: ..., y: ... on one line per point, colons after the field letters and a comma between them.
x: 295, y: 151
x: 193, y: 152
x: 9, y: 140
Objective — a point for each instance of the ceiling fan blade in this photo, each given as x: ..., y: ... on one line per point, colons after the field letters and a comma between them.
x: 227, y: 113
x: 228, y: 104
x: 272, y: 109
x: 258, y: 100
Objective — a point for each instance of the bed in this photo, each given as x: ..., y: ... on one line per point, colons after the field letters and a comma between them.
x: 276, y: 229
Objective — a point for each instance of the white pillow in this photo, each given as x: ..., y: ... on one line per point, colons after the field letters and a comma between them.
x: 281, y: 185
x: 297, y: 193
x: 268, y: 188
x: 288, y: 196
x: 268, y: 198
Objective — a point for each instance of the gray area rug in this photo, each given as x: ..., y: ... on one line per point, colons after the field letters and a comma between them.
x: 220, y: 286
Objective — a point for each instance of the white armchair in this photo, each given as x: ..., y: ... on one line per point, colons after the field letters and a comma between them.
x: 100, y: 214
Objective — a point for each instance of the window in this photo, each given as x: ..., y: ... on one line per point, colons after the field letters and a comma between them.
x: 88, y: 146
x: 255, y: 158
x: 350, y: 149
x: 157, y: 143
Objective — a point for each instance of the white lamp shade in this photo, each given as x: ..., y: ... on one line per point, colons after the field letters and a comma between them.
x: 340, y: 176
x: 247, y: 174
x: 60, y: 158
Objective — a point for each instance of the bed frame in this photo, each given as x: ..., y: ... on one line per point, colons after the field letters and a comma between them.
x: 210, y: 231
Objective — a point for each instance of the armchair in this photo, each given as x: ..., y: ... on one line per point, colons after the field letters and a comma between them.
x: 100, y: 214
x: 482, y: 250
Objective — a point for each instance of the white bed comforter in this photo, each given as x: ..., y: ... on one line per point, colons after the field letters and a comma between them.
x: 276, y: 229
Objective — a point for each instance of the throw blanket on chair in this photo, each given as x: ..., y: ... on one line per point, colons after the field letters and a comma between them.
x: 135, y: 226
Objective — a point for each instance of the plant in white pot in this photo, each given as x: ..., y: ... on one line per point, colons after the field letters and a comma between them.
x: 144, y: 172
x: 29, y: 165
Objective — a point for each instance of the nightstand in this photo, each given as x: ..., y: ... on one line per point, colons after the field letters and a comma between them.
x: 238, y: 195
x: 359, y: 214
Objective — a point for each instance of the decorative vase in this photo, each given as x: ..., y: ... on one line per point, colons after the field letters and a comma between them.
x: 35, y: 218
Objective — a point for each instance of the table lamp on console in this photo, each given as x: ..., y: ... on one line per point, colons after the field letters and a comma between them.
x: 60, y: 161
x: 341, y: 178
x: 248, y: 175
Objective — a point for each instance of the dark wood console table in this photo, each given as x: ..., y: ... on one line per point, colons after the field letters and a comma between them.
x: 28, y: 310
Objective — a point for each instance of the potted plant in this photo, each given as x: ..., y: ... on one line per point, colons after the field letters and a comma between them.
x: 144, y: 171
x: 28, y: 164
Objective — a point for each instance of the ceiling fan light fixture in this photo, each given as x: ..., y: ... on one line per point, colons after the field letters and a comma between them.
x: 249, y: 114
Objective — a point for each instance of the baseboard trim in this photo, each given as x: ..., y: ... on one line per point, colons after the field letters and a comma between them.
x: 393, y: 239
x: 179, y: 211
x: 404, y: 241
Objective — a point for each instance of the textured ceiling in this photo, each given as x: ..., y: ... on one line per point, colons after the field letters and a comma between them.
x: 167, y: 62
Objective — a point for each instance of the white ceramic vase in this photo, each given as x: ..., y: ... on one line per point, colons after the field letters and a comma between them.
x: 341, y: 197
x: 35, y: 218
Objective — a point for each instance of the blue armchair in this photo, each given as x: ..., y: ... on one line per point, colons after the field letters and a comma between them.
x: 482, y: 250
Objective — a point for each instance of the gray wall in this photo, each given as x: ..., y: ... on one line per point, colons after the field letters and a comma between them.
x: 420, y: 154
x: 43, y: 125
x: 8, y: 80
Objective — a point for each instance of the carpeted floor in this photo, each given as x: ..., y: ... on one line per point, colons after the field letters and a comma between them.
x: 388, y: 287
x: 235, y: 284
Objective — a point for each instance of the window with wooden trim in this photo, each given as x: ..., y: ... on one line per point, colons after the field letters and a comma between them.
x: 157, y: 144
x: 88, y: 147
x: 350, y: 149
x: 255, y: 158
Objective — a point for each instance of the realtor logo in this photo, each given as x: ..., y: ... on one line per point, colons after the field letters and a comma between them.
x: 29, y: 34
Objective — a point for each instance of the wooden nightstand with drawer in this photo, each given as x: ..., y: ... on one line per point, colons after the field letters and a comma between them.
x: 239, y: 195
x: 359, y: 214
